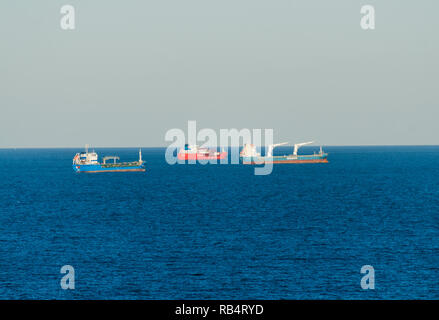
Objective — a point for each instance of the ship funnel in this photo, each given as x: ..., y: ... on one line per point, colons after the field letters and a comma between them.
x: 298, y: 145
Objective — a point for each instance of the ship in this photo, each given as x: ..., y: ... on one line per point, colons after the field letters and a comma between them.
x: 249, y: 155
x: 194, y: 152
x: 88, y: 162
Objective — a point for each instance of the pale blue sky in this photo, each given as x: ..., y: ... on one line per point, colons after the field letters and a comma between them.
x: 134, y: 69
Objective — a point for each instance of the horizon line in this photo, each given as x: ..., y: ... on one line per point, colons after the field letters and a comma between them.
x: 164, y: 147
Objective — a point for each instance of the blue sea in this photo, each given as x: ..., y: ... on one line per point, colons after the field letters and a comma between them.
x: 219, y: 231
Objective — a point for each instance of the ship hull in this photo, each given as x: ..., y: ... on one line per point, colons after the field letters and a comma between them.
x: 95, y: 168
x: 201, y: 156
x: 318, y: 158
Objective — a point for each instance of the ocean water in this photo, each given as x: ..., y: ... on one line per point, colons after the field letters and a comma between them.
x: 219, y: 231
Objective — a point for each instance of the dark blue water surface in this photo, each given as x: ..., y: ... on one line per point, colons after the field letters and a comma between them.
x: 219, y: 231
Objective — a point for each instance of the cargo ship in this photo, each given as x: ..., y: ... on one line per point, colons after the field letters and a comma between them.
x: 88, y: 162
x: 193, y: 152
x: 249, y: 155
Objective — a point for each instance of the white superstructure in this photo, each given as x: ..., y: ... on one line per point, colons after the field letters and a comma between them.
x: 86, y: 157
x: 249, y: 150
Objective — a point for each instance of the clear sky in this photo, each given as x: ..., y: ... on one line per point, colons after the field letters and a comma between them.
x: 134, y: 69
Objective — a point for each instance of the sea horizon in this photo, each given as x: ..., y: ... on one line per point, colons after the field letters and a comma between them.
x: 164, y: 147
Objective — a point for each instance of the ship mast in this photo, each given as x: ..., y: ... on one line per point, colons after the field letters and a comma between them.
x: 140, y: 156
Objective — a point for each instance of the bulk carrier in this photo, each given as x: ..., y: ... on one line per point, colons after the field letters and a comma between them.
x: 249, y: 155
x: 88, y: 162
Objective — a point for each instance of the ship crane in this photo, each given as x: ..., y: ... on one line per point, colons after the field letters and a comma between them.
x: 272, y: 146
x: 298, y: 145
x: 114, y: 158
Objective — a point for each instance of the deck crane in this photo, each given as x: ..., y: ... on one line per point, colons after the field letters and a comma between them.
x: 272, y: 146
x: 298, y: 145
